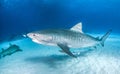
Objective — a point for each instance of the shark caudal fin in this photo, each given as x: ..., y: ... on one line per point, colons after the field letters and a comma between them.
x: 102, y: 40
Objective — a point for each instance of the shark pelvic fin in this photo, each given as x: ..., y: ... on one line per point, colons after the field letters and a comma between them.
x: 77, y: 27
x: 66, y: 49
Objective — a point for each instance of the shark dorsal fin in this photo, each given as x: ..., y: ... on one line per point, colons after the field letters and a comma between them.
x: 77, y: 27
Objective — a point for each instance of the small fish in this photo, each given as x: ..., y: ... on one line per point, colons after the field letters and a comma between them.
x: 10, y: 50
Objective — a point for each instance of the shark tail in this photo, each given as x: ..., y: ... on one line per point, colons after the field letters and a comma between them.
x: 104, y: 37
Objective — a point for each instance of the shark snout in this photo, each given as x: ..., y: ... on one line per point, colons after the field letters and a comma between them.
x: 31, y: 35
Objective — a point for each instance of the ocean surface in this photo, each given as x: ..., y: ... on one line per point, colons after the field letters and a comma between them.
x: 19, y: 17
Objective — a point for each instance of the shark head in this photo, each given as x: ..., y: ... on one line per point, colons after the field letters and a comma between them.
x: 40, y: 37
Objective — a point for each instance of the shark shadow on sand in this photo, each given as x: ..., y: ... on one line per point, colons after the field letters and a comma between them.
x: 55, y: 60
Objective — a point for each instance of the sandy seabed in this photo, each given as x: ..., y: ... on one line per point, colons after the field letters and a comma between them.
x: 41, y: 59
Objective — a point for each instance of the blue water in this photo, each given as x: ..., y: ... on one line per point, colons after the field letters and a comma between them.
x: 18, y: 17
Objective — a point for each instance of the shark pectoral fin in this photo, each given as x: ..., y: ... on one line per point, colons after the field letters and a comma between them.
x: 65, y: 49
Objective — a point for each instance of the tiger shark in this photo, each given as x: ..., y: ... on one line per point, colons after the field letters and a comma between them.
x: 67, y: 38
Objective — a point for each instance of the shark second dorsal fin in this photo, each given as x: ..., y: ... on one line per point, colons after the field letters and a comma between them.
x: 77, y: 27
